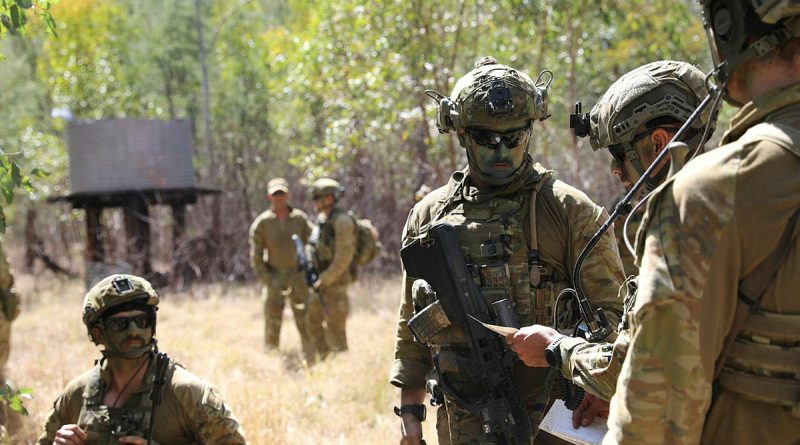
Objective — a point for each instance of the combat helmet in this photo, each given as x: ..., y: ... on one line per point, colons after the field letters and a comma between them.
x: 645, y: 98
x: 112, y: 294
x: 491, y: 93
x: 327, y: 186
x: 731, y: 26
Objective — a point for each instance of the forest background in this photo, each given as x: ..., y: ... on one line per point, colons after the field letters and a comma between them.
x: 300, y: 89
x: 304, y: 89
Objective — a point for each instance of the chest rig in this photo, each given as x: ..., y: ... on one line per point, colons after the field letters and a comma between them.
x: 502, y: 262
x: 104, y: 424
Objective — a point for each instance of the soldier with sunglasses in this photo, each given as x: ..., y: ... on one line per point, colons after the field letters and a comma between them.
x: 113, y: 402
x: 521, y: 231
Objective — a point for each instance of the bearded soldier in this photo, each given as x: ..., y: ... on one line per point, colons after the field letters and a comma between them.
x: 282, y: 278
x: 714, y: 355
x: 113, y: 402
x: 520, y: 230
x: 333, y: 248
x: 634, y: 120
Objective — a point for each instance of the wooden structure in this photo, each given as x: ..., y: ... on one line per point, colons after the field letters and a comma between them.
x: 130, y: 164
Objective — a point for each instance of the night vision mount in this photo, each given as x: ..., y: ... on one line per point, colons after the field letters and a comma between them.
x: 579, y: 123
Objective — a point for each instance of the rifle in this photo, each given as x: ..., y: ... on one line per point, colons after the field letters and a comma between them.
x: 162, y: 362
x: 311, y: 272
x: 439, y: 260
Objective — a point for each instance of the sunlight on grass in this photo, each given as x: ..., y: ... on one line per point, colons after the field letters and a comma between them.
x: 216, y: 332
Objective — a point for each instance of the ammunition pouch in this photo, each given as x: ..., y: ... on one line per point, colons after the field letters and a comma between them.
x: 764, y: 362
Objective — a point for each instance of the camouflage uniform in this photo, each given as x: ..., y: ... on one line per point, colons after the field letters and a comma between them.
x: 191, y: 411
x: 705, y: 230
x: 333, y: 249
x: 628, y: 261
x: 626, y: 110
x: 280, y: 273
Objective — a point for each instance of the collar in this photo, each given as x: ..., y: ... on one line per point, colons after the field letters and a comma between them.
x: 147, y: 381
x: 758, y: 109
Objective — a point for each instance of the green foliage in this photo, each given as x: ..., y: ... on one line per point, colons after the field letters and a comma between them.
x: 14, y: 397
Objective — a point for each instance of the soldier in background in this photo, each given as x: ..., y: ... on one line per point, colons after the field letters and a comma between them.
x: 649, y: 104
x: 521, y: 230
x: 111, y: 403
x: 274, y: 261
x: 333, y: 248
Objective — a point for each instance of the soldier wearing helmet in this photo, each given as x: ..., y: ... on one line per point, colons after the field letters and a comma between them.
x: 521, y: 231
x: 333, y: 248
x: 715, y: 331
x: 635, y: 119
x: 274, y: 262
x: 113, y: 402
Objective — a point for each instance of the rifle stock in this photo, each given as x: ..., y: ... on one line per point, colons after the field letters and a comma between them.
x: 440, y: 261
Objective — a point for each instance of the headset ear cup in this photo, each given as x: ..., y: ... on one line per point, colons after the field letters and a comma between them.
x: 447, y: 119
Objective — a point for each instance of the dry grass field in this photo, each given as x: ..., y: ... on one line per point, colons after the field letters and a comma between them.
x: 216, y: 332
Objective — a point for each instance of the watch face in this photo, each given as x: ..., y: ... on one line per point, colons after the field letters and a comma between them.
x: 550, y: 356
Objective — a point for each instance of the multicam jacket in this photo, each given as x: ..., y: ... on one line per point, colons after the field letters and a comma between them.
x: 273, y: 236
x: 704, y: 231
x: 566, y: 219
x: 191, y: 411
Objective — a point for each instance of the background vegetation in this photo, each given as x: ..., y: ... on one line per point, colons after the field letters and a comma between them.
x: 307, y: 88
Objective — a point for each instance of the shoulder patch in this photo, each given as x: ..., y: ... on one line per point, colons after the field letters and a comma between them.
x: 212, y: 398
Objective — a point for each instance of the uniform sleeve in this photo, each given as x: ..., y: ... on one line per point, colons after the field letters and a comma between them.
x: 594, y: 366
x: 412, y: 360
x: 344, y: 248
x: 257, y: 251
x: 664, y: 390
x: 216, y: 424
x: 602, y: 273
x: 307, y: 229
x: 59, y: 416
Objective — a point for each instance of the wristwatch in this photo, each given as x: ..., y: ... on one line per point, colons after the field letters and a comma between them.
x: 553, y: 353
x: 417, y: 410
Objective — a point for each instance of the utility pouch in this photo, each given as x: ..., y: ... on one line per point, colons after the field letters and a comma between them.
x: 428, y: 322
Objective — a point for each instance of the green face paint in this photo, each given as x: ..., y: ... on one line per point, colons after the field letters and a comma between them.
x: 129, y: 330
x: 498, y: 155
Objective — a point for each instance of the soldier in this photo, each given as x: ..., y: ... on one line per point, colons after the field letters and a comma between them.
x: 9, y: 299
x: 492, y: 110
x: 663, y: 95
x: 333, y: 247
x: 281, y: 276
x: 714, y: 350
x: 112, y: 402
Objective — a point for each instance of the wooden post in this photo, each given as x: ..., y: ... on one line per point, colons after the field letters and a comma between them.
x: 137, y: 233
x: 178, y: 226
x: 95, y: 252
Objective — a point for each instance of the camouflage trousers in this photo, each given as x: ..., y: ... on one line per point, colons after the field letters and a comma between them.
x: 291, y: 286
x: 328, y: 331
x: 457, y: 426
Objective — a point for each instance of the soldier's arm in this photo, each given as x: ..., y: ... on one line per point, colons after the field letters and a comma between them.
x: 344, y: 248
x: 308, y: 228
x: 412, y: 360
x: 594, y: 366
x: 667, y: 389
x: 215, y: 423
x: 60, y: 415
x: 257, y: 250
x: 602, y: 273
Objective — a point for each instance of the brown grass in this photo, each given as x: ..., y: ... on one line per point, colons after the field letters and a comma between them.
x: 216, y: 332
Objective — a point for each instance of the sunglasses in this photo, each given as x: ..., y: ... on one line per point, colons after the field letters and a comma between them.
x: 120, y: 324
x: 492, y: 140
